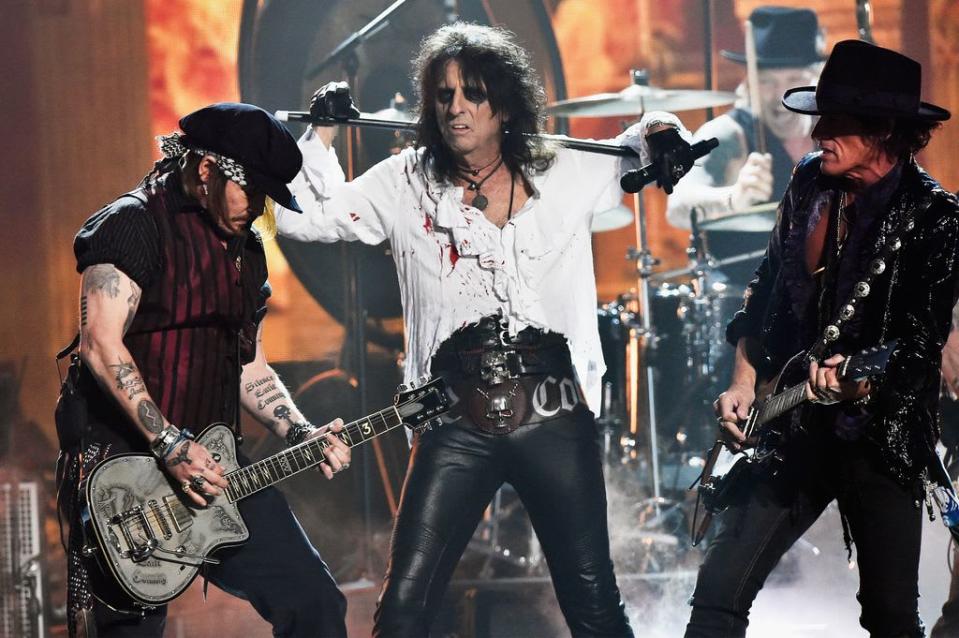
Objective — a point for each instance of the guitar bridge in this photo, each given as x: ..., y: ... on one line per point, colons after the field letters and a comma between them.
x: 136, y: 532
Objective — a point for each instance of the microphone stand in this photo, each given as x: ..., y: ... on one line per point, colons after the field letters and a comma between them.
x: 355, y: 311
x: 348, y: 46
x: 354, y: 306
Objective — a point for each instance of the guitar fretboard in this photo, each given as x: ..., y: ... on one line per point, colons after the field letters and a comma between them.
x: 782, y: 402
x: 262, y: 474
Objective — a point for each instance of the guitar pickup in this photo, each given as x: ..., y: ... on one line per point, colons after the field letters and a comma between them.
x: 180, y: 514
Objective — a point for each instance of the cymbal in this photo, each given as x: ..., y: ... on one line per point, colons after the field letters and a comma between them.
x: 390, y: 113
x: 755, y: 219
x: 611, y: 219
x: 710, y: 267
x: 637, y: 99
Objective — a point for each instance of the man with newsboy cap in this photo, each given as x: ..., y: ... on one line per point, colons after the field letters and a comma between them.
x: 864, y: 252
x: 173, y: 293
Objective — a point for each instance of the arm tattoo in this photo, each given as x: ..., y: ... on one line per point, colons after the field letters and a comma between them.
x: 256, y: 386
x: 128, y: 378
x: 83, y: 311
x: 182, y: 456
x: 103, y: 277
x: 133, y: 301
x: 150, y: 416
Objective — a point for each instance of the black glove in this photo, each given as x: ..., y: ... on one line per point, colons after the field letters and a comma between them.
x: 671, y: 156
x: 333, y: 100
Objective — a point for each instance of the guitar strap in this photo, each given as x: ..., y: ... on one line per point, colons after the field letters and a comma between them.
x: 861, y: 290
x: 236, y: 426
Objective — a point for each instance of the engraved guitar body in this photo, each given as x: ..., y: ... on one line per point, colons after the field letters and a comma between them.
x: 133, y: 505
x: 151, y: 540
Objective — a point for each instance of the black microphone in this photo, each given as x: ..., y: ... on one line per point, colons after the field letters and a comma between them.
x: 633, y: 181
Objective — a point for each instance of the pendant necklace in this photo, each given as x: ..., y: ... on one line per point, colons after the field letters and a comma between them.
x: 480, y: 202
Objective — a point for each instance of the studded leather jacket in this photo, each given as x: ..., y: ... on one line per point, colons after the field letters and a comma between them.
x: 911, y: 301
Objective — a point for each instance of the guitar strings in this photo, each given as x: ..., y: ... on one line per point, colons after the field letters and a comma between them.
x: 152, y: 519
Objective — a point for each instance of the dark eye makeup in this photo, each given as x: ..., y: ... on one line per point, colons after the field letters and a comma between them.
x: 474, y: 94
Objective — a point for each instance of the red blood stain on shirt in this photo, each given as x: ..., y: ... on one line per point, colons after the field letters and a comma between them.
x: 427, y: 224
x: 454, y: 255
x: 354, y: 216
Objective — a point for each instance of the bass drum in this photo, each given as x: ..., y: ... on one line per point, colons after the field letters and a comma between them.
x: 692, y: 363
x: 281, y: 41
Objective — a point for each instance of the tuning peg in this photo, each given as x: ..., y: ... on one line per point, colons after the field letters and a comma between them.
x: 424, y: 379
x: 402, y: 387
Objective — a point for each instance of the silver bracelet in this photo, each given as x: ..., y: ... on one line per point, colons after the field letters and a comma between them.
x: 167, y: 435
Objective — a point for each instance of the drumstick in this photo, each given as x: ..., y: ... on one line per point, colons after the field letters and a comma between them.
x: 752, y: 84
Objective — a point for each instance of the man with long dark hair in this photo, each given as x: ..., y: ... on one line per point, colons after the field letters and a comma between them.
x: 490, y: 232
x: 173, y: 293
x: 865, y: 251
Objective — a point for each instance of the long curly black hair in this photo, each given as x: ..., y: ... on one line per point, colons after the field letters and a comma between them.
x: 489, y: 59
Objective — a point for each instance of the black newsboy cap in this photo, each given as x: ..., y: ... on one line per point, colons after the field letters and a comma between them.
x: 251, y: 137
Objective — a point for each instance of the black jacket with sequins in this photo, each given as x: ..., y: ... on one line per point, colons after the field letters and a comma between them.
x: 910, y: 301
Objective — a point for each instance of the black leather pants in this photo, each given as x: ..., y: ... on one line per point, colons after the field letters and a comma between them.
x: 555, y: 467
x: 884, y: 521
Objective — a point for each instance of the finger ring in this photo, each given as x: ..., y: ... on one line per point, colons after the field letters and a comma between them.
x: 185, y: 486
x: 345, y: 466
x: 197, y: 481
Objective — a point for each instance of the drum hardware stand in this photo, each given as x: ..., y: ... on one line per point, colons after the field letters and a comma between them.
x: 486, y: 541
x: 642, y: 339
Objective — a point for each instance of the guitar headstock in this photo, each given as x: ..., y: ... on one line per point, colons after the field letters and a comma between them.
x: 420, y: 405
x: 868, y: 363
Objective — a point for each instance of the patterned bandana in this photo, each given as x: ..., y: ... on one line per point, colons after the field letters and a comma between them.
x: 172, y: 146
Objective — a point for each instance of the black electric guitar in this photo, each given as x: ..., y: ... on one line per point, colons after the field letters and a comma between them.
x: 151, y: 540
x: 724, y: 473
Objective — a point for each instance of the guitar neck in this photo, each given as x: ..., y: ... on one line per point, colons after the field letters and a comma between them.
x: 794, y: 395
x: 282, y: 465
x: 780, y: 403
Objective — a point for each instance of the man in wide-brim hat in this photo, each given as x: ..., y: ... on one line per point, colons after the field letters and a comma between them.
x: 864, y: 252
x: 744, y: 171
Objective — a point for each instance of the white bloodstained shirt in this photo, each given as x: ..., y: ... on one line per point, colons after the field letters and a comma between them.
x: 456, y: 267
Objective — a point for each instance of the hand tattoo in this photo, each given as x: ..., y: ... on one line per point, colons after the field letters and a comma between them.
x: 150, y: 416
x: 182, y: 456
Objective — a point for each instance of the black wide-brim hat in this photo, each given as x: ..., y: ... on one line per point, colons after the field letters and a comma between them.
x: 864, y: 79
x: 252, y: 138
x: 784, y: 37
